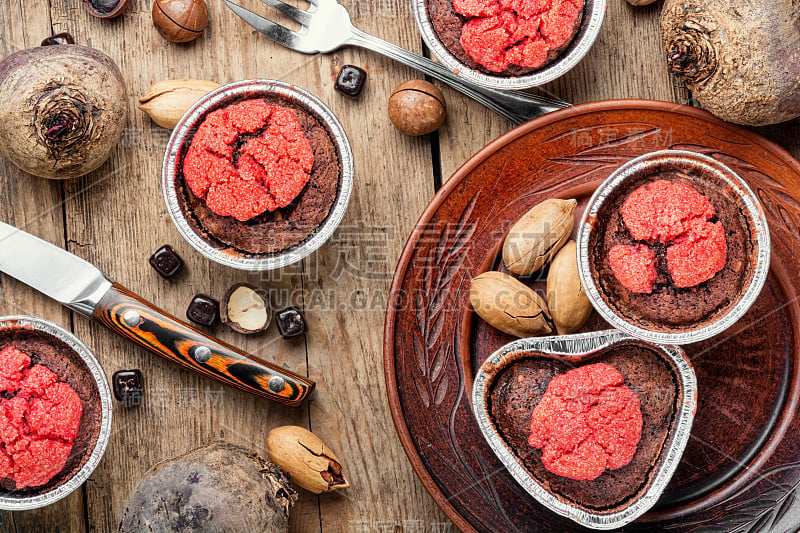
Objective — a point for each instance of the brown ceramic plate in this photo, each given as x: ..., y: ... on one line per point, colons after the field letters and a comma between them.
x: 741, y: 467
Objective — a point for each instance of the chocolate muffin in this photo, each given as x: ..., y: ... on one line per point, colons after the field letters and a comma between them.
x: 448, y: 26
x: 277, y: 231
x: 520, y: 386
x: 58, y: 357
x: 669, y: 307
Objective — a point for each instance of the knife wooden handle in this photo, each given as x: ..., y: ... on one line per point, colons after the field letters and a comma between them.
x: 124, y: 313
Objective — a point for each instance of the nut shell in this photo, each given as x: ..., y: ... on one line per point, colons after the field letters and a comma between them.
x: 180, y: 21
x: 538, y: 235
x: 567, y: 301
x: 105, y: 9
x: 306, y: 459
x: 509, y: 305
x: 417, y: 107
x: 245, y: 309
x: 167, y: 101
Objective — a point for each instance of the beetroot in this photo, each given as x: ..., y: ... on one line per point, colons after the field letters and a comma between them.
x: 219, y: 487
x: 63, y: 108
x: 739, y: 58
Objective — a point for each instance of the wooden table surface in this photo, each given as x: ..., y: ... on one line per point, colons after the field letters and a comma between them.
x: 116, y: 218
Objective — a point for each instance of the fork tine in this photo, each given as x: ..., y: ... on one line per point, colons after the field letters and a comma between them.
x: 298, y: 15
x: 280, y: 34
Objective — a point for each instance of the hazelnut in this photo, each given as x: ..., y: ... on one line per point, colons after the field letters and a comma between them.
x: 245, y: 309
x: 105, y: 9
x: 180, y: 21
x: 417, y: 107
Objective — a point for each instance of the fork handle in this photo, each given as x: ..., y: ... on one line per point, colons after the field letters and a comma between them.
x: 516, y: 106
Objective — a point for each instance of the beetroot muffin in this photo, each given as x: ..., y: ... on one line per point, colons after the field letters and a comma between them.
x: 259, y: 176
x: 506, y: 37
x: 673, y: 250
x: 651, y: 392
x: 50, y: 412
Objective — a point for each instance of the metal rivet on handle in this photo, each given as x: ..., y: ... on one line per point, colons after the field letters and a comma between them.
x: 201, y: 354
x: 276, y: 384
x: 131, y: 318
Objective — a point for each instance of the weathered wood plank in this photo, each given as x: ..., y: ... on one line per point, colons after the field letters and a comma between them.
x: 116, y: 218
x: 347, y: 282
x: 34, y: 204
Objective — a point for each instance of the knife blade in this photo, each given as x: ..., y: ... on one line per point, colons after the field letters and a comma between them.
x: 82, y: 287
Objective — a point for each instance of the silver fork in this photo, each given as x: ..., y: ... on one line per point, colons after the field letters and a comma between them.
x: 326, y: 27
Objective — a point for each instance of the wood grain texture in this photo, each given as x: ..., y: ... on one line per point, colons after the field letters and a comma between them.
x: 346, y: 284
x: 36, y: 205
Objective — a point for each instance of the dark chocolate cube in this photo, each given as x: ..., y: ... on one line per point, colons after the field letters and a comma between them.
x: 128, y: 386
x: 351, y: 80
x: 203, y: 310
x: 166, y: 261
x: 291, y: 323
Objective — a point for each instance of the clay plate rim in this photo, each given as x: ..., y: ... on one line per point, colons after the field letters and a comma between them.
x: 450, y: 185
x: 580, y: 346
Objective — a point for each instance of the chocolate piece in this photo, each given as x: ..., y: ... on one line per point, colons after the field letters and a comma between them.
x: 166, y: 261
x: 245, y: 309
x: 203, y: 310
x: 128, y: 386
x: 350, y: 80
x: 59, y: 38
x: 291, y: 322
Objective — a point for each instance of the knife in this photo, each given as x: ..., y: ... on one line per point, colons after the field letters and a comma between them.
x: 81, y: 286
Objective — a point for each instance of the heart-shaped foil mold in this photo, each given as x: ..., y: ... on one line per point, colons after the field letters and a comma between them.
x: 512, y: 382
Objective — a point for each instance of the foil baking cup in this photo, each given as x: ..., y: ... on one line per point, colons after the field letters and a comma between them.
x: 25, y: 501
x: 574, y: 348
x: 594, y: 12
x: 708, y: 169
x: 183, y: 133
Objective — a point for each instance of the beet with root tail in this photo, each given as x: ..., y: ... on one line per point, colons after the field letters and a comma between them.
x: 63, y: 107
x: 739, y: 58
